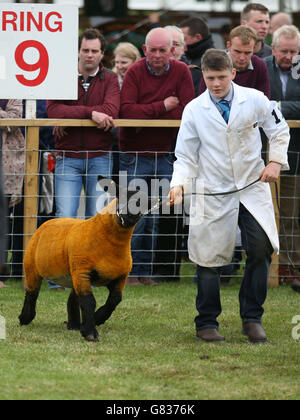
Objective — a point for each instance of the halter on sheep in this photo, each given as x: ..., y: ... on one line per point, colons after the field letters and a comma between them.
x: 81, y: 254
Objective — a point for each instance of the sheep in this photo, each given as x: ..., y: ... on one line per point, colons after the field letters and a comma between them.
x: 81, y: 254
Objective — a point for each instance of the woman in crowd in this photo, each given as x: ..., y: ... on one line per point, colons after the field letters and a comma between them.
x: 125, y: 54
x: 13, y: 164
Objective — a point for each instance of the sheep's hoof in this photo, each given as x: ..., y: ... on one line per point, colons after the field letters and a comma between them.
x: 72, y: 327
x: 26, y: 317
x: 92, y: 338
x: 92, y: 335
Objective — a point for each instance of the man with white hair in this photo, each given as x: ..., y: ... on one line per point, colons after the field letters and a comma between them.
x: 284, y: 72
x: 155, y: 87
x: 179, y: 54
x: 177, y: 41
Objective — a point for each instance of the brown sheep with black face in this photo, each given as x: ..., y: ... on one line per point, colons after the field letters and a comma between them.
x: 81, y: 254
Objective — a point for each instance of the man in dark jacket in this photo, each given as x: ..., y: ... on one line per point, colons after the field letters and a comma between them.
x: 284, y: 77
x: 197, y: 39
x: 83, y: 153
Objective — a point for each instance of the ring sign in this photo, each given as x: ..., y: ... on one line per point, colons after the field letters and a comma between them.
x: 38, y: 51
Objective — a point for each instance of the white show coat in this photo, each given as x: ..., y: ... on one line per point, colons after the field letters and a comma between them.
x: 228, y: 157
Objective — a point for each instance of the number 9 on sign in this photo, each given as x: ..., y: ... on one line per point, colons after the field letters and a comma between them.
x: 42, y: 64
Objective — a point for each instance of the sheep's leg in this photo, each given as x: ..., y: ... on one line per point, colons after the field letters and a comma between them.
x: 114, y: 298
x: 29, y: 308
x: 88, y: 306
x: 32, y: 287
x: 87, y: 302
x: 73, y: 312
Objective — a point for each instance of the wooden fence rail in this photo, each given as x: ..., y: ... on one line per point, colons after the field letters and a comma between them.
x: 32, y: 164
x: 48, y: 122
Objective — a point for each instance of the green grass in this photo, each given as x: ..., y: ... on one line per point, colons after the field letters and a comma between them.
x: 147, y: 349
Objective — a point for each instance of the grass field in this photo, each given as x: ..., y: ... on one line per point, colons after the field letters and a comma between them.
x: 147, y: 349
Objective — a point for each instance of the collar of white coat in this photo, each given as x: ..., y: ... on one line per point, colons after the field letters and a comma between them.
x: 228, y: 97
x: 239, y: 96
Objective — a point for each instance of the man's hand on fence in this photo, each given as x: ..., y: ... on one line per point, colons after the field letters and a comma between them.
x: 271, y: 172
x: 59, y: 132
x: 104, y: 121
x: 175, y: 196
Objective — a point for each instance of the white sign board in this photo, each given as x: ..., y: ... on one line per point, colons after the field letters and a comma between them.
x: 38, y: 51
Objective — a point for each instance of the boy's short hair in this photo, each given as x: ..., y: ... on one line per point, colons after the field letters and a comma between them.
x: 216, y: 60
x: 92, y: 33
x: 244, y: 33
x: 245, y: 14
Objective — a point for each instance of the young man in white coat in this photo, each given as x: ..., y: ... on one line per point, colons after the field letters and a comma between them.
x: 219, y: 144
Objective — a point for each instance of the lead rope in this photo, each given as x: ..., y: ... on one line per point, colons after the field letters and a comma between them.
x: 160, y: 202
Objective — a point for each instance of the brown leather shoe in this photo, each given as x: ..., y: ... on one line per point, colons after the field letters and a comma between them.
x: 210, y: 335
x: 255, y: 332
x: 147, y: 281
x: 296, y: 285
x: 133, y: 281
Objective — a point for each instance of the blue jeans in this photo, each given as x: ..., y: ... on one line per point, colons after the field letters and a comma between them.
x: 143, y: 242
x: 253, y: 291
x: 71, y: 175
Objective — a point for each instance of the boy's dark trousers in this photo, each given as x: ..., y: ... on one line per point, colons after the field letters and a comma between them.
x: 253, y: 291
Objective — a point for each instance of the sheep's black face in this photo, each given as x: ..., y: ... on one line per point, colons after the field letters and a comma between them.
x: 132, y: 205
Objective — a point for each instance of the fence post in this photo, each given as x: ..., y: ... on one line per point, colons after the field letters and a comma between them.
x: 31, y: 176
x: 31, y: 184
